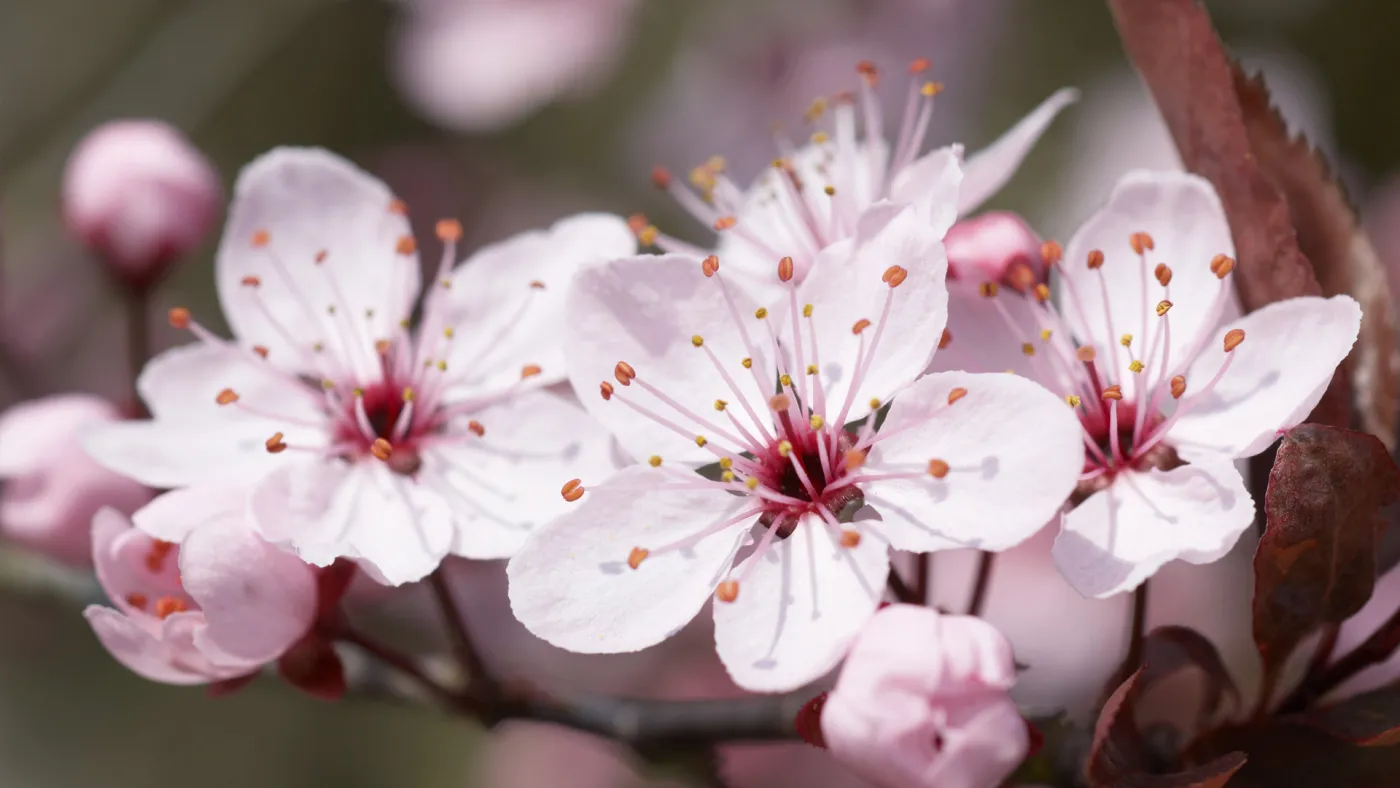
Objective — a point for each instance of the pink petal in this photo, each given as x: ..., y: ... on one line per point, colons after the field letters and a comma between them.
x: 129, y: 562
x: 185, y: 382
x: 799, y: 607
x: 981, y: 340
x: 931, y: 184
x: 140, y: 651
x: 506, y: 484
x: 1123, y: 534
x: 308, y: 201
x: 645, y: 311
x: 987, y: 170
x: 512, y: 296
x: 571, y: 583
x: 174, y: 514
x: 1014, y: 451
x: 1187, y: 224
x: 1277, y: 376
x: 846, y: 285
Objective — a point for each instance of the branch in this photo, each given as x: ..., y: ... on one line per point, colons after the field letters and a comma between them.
x: 1375, y: 649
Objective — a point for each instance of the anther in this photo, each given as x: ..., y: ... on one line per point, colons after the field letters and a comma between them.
x: 726, y: 463
x: 850, y: 538
x: 1221, y: 266
x: 725, y: 223
x: 606, y: 389
x: 751, y: 482
x: 398, y: 207
x: 321, y: 256
x: 1045, y: 334
x: 945, y: 340
x: 1028, y: 349
x: 261, y: 350
x: 1021, y: 277
x: 937, y: 469
x: 475, y: 428
x: 860, y: 325
x: 784, y: 448
x: 720, y: 404
x: 806, y: 310
x: 572, y: 490
x: 853, y: 459
x: 918, y: 65
x: 748, y: 363
x: 697, y: 340
x: 874, y: 403
x: 168, y: 606
x: 786, y: 380
x: 988, y: 289
x: 1051, y: 253
x: 710, y: 265
x: 867, y: 70
x: 1163, y: 272
x: 727, y: 477
x: 624, y: 373
x: 931, y: 89
x: 1085, y: 353
x: 179, y: 317
x: 1233, y: 339
x: 1135, y: 366
x: 956, y: 394
x: 1141, y: 242
x: 251, y: 281
x: 1178, y: 386
x: 449, y: 230
x: 830, y: 190
x: 261, y: 238
x: 1095, y: 260
x: 785, y: 269
x: 536, y: 284
x: 1126, y: 340
x: 1072, y: 400
x: 406, y: 245
x: 894, y: 276
x: 137, y: 601
x: 1163, y: 306
x: 779, y: 402
x: 811, y: 369
x: 275, y: 444
x: 654, y: 461
x: 381, y: 449
x: 1114, y: 392
x: 728, y: 591
x: 761, y: 312
x: 1042, y: 292
x: 660, y: 177
x: 817, y: 421
x: 226, y: 397
x: 701, y: 440
x: 637, y: 556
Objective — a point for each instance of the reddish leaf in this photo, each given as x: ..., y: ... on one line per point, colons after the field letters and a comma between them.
x: 1118, y: 758
x: 331, y: 584
x: 1296, y: 755
x: 227, y: 687
x: 312, y: 666
x: 1371, y: 719
x: 1168, y: 650
x: 1316, y: 562
x: 809, y: 721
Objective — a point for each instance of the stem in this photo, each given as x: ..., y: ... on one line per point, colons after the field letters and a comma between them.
x: 981, y: 583
x: 1136, y: 642
x: 138, y: 340
x: 901, y: 590
x: 923, y: 577
x: 400, y: 662
x: 477, y: 677
x: 1377, y: 648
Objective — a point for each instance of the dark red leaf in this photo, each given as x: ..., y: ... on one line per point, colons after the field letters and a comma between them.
x: 312, y: 666
x: 1118, y: 758
x: 809, y: 721
x: 1371, y: 719
x: 1316, y: 562
x: 1168, y: 650
x: 1296, y: 755
x: 331, y: 584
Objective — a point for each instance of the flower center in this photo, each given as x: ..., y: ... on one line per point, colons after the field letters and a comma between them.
x: 812, y: 488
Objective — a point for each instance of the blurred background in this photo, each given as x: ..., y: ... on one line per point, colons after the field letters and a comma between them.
x: 508, y: 114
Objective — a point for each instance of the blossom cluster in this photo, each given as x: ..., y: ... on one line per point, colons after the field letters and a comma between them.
x: 856, y: 369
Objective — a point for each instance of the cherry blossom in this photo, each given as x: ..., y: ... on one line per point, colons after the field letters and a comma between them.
x: 1168, y: 388
x: 818, y: 450
x: 923, y: 701
x: 815, y: 195
x: 360, y: 438
x: 51, y: 488
x: 219, y: 605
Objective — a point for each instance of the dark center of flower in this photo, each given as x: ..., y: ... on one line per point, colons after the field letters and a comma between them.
x: 1096, y: 425
x: 779, y: 473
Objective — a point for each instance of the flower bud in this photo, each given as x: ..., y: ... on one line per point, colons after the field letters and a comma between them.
x: 140, y: 196
x: 923, y: 701
x: 994, y: 247
x: 51, y: 488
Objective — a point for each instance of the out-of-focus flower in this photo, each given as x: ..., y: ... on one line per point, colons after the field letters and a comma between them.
x: 140, y: 195
x: 813, y: 196
x: 923, y: 701
x: 1168, y: 397
x: 219, y: 605
x: 481, y: 65
x: 359, y: 438
x: 791, y: 531
x: 51, y: 487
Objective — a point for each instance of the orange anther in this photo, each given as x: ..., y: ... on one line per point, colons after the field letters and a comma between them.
x: 637, y: 556
x: 449, y: 230
x: 168, y: 606
x: 850, y: 538
x: 1051, y: 253
x: 710, y: 265
x: 529, y: 371
x: 1163, y: 272
x: 137, y: 601
x: 179, y: 317
x: 660, y: 177
x: 398, y: 207
x: 785, y: 269
x: 572, y: 490
x: 1178, y: 386
x: 227, y: 397
x: 956, y: 394
x: 381, y: 449
x: 725, y: 223
x: 1163, y: 307
x: 1095, y: 259
x: 919, y: 65
x: 988, y: 289
x: 1141, y: 242
x: 779, y: 402
x: 156, y: 555
x: 860, y: 325
x: 1114, y: 392
x: 894, y: 276
x: 475, y: 428
x: 536, y: 284
x: 945, y: 340
x: 1042, y: 292
x: 1086, y: 353
x: 406, y: 245
x: 1233, y: 338
x: 1222, y: 265
x: 321, y: 256
x: 624, y: 373
x: 1021, y: 277
x: 727, y: 591
x: 854, y: 458
x: 261, y: 238
x: 275, y: 444
x: 251, y: 281
x: 607, y: 390
x: 937, y: 469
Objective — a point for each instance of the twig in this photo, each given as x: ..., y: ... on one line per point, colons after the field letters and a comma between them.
x: 981, y: 583
x: 479, y: 681
x: 138, y: 340
x: 901, y: 590
x: 400, y: 662
x: 923, y: 576
x: 1375, y: 649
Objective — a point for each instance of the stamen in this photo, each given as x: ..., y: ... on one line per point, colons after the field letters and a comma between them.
x: 637, y: 556
x: 727, y: 591
x: 1233, y: 338
x: 1178, y: 386
x: 1163, y: 272
x: 381, y: 449
x: 572, y: 490
x: 938, y: 469
x: 275, y: 444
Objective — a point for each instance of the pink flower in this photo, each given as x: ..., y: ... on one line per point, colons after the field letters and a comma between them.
x: 51, y: 488
x: 358, y: 438
x: 815, y: 195
x: 220, y: 604
x: 140, y: 195
x: 482, y: 65
x: 791, y: 527
x: 922, y: 701
x: 1168, y: 397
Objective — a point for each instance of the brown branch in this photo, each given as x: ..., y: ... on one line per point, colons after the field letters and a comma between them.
x: 479, y: 680
x: 1374, y: 650
x: 981, y: 583
x: 901, y: 590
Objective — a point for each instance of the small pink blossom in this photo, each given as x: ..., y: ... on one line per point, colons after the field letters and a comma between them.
x: 923, y: 701
x: 1169, y: 390
x: 358, y: 437
x: 218, y: 605
x: 791, y: 529
x: 140, y: 195
x: 49, y: 487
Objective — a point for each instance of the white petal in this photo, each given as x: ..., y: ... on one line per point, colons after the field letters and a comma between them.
x: 1187, y: 223
x: 185, y: 381
x: 931, y: 184
x: 141, y: 651
x: 645, y: 310
x: 165, y: 454
x: 323, y: 510
x: 798, y: 611
x: 504, y: 318
x: 981, y: 340
x: 173, y: 515
x: 310, y: 201
x: 1014, y: 452
x: 1278, y: 374
x: 1123, y: 534
x: 30, y: 431
x: 846, y: 286
x: 987, y: 170
x: 505, y: 484
x: 571, y: 584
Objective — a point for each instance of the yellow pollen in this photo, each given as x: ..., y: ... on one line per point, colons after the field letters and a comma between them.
x: 807, y: 310
x: 1126, y: 340
x: 811, y: 369
x: 760, y: 313
x: 1136, y: 366
x: 1072, y: 399
x: 784, y: 448
x: 328, y: 385
x: 647, y: 235
x: 727, y: 477
x: 318, y: 347
x: 408, y: 394
x: 748, y: 363
x: 817, y: 421
x: 1045, y: 334
x: 357, y: 392
x: 988, y: 289
x: 1042, y: 292
x: 726, y: 463
x: 449, y: 332
x: 697, y: 340
x: 442, y: 367
x: 785, y: 379
x: 874, y: 403
x: 700, y: 441
x: 655, y: 461
x: 830, y: 190
x: 820, y: 137
x: 1027, y: 348
x: 931, y: 89
x: 751, y: 482
x: 721, y: 404
x: 1162, y: 307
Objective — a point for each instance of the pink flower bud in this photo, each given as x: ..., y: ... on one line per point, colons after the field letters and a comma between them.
x: 923, y: 701
x: 985, y: 248
x: 51, y: 488
x: 140, y: 196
